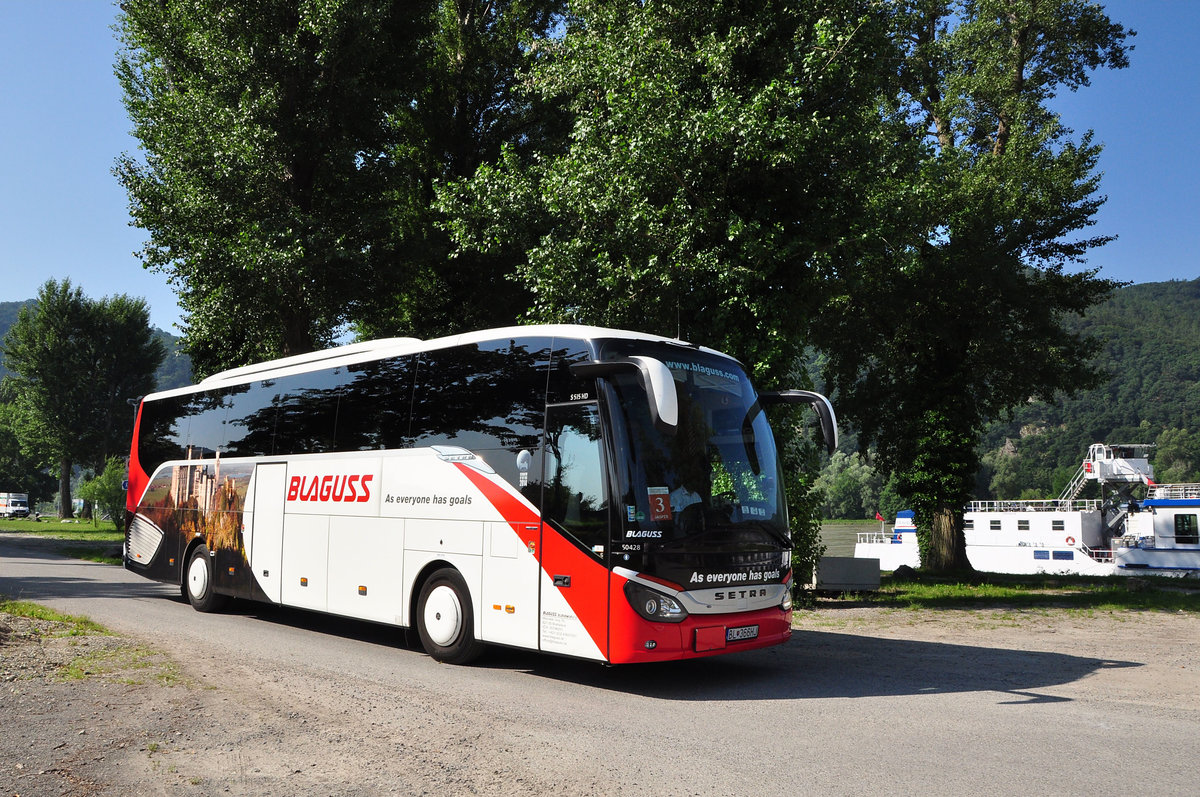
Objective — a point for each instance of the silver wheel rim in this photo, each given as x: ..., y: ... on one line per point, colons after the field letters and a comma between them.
x: 198, y: 578
x: 443, y: 616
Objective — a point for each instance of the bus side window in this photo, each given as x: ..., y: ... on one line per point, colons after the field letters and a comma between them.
x: 376, y: 407
x: 160, y: 437
x: 205, y: 424
x: 488, y: 398
x: 306, y: 412
x: 573, y: 495
x: 251, y: 427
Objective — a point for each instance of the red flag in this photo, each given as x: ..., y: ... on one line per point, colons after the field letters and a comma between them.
x: 879, y: 517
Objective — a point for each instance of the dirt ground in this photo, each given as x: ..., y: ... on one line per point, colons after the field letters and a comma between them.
x: 106, y: 715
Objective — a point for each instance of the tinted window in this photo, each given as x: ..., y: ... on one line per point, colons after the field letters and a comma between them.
x: 253, y: 414
x: 376, y: 406
x: 183, y: 427
x: 158, y: 437
x: 488, y: 398
x: 1186, y: 531
x: 572, y: 493
x: 307, y: 408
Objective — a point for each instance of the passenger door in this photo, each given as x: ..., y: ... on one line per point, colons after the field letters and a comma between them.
x: 574, y: 533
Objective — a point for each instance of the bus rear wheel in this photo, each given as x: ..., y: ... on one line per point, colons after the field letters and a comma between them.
x: 445, y: 621
x: 198, y: 582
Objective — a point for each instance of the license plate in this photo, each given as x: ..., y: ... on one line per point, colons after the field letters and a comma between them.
x: 740, y: 633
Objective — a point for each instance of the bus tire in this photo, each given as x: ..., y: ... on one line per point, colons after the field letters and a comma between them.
x: 198, y: 582
x: 445, y: 621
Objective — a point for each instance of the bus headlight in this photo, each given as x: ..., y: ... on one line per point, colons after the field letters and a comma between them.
x: 653, y: 605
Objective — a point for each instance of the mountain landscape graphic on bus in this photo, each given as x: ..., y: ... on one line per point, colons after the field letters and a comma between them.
x: 200, y: 497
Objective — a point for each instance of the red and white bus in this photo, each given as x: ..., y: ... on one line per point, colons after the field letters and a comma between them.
x: 582, y: 491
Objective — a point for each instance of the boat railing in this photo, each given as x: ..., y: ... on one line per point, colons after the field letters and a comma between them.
x: 1102, y: 555
x: 878, y: 537
x: 1134, y: 541
x: 1039, y: 505
x: 1176, y: 491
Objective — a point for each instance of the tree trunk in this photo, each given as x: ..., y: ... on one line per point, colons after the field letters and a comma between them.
x: 947, y: 543
x: 65, y: 510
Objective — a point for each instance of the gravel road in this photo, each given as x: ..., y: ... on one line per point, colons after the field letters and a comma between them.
x: 862, y: 701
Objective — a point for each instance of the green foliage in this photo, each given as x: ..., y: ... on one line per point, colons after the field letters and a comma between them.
x: 710, y: 177
x: 804, y: 519
x: 276, y: 137
x: 75, y: 625
x: 176, y: 368
x: 20, y: 472
x: 106, y: 491
x: 74, y: 531
x: 73, y: 362
x: 850, y: 486
x: 467, y: 111
x: 8, y: 317
x: 993, y: 590
x: 291, y: 150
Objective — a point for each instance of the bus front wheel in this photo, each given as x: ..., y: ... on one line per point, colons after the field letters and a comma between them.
x: 198, y: 582
x: 445, y: 621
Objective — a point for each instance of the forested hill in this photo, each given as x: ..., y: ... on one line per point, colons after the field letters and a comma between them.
x: 1150, y: 337
x: 175, y: 371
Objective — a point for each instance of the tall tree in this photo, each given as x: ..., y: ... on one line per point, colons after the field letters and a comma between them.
x: 126, y: 353
x: 73, y: 362
x: 467, y: 111
x: 276, y: 138
x: 965, y: 319
x: 291, y: 153
x: 711, y: 180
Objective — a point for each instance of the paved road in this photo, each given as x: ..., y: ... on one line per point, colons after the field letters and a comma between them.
x: 832, y: 712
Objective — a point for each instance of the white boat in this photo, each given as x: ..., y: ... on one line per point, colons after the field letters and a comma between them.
x: 1161, y: 536
x: 892, y: 548
x: 1117, y: 534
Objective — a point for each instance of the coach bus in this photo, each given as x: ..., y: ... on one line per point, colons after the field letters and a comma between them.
x: 589, y: 492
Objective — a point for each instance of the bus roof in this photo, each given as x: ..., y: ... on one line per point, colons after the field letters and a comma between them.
x: 368, y: 351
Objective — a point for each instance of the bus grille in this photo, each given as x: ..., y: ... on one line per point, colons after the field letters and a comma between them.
x: 145, y: 537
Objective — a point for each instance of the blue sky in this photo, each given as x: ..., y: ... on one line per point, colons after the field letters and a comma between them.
x: 63, y: 215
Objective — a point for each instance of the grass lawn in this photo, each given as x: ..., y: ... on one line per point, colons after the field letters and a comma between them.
x: 998, y: 590
x: 97, y: 531
x: 95, y: 541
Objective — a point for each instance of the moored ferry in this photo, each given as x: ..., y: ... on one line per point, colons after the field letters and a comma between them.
x: 1115, y: 534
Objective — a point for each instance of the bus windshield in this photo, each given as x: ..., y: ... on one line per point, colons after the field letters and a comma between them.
x: 703, y: 498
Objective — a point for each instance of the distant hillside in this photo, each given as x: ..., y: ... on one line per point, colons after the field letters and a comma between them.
x: 175, y: 371
x: 1150, y: 336
x: 176, y: 368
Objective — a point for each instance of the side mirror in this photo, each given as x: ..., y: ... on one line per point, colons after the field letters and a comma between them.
x: 655, y: 379
x: 819, y: 403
